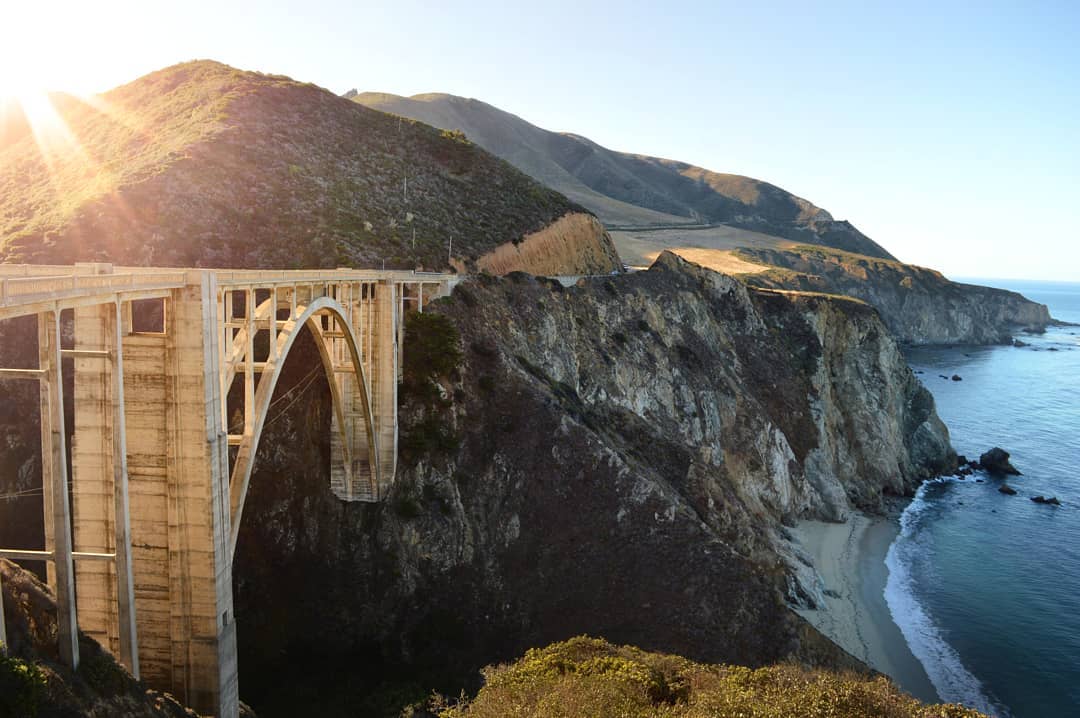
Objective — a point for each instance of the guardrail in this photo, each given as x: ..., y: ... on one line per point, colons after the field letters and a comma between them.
x: 24, y: 288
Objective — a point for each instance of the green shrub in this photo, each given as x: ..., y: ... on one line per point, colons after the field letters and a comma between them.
x: 432, y: 349
x: 428, y: 436
x: 590, y: 677
x: 22, y: 687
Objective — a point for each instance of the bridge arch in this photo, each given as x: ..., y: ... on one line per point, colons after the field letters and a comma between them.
x: 352, y: 448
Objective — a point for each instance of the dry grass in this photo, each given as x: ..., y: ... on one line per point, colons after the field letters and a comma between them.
x: 639, y: 248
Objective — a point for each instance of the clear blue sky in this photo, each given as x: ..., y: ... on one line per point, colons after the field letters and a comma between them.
x: 949, y: 132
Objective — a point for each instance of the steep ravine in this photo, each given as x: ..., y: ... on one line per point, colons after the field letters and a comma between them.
x: 617, y: 458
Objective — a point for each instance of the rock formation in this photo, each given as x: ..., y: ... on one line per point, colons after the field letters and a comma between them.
x: 920, y: 306
x: 101, y: 686
x: 615, y: 458
x: 996, y: 461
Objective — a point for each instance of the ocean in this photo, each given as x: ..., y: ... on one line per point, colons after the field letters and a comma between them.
x: 986, y: 587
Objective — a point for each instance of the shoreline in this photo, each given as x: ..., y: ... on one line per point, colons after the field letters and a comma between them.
x: 850, y: 561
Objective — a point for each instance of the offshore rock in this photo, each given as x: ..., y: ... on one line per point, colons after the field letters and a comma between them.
x: 616, y: 458
x: 996, y: 461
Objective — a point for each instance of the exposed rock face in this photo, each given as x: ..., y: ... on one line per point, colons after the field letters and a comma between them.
x: 996, y: 461
x: 576, y: 243
x: 101, y: 687
x: 616, y: 458
x: 919, y: 305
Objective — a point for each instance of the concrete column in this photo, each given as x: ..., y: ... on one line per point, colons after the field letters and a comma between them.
x: 45, y: 414
x: 100, y: 485
x: 180, y: 521
x: 384, y: 383
x: 54, y: 480
x: 93, y: 507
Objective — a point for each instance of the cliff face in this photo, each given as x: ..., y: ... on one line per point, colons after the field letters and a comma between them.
x: 920, y: 306
x: 616, y: 458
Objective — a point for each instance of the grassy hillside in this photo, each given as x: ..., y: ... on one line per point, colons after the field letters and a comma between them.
x: 628, y: 189
x: 590, y: 677
x: 203, y: 164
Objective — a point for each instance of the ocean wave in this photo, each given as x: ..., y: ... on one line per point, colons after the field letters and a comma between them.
x: 952, y: 680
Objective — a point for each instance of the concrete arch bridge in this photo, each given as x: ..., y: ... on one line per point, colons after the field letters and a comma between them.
x: 174, y: 371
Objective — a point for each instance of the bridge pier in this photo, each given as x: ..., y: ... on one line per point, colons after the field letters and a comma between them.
x: 176, y: 466
x: 141, y: 556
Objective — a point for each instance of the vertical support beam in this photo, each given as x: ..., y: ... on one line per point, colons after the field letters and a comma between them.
x: 399, y: 329
x: 66, y: 620
x: 45, y: 417
x: 3, y: 626
x: 93, y: 474
x: 224, y: 308
x: 125, y: 588
x: 384, y: 382
x: 249, y: 365
x: 272, y: 324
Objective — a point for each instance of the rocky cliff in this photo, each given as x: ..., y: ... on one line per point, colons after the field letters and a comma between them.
x: 616, y: 458
x: 33, y: 682
x: 920, y: 306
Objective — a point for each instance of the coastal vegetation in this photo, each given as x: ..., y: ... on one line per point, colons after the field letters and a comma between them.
x: 591, y: 677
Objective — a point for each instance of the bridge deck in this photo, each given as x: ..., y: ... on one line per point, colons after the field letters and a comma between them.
x: 35, y: 288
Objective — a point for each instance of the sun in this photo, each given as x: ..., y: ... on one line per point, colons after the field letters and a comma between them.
x: 25, y: 99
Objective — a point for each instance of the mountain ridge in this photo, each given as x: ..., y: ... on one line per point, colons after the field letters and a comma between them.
x: 607, y: 181
x: 201, y: 164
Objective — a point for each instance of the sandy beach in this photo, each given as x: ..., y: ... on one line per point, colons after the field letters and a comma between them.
x: 850, y: 559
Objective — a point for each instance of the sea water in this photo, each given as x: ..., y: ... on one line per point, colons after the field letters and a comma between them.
x: 986, y: 587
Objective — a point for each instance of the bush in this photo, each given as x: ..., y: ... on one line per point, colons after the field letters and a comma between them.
x: 431, y: 346
x: 22, y: 687
x: 590, y: 677
x: 432, y: 350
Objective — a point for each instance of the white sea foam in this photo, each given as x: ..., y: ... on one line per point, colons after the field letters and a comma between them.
x: 953, y: 681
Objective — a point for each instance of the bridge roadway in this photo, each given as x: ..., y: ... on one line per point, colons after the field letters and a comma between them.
x: 173, y: 374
